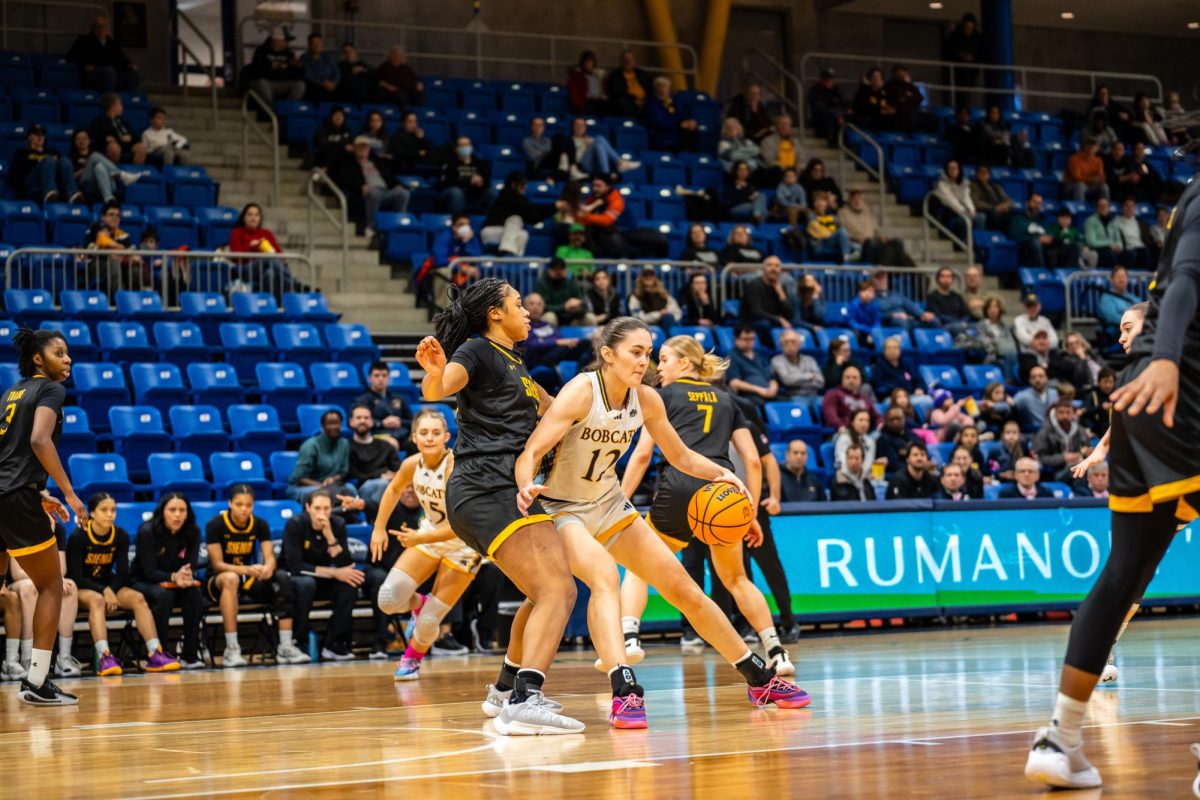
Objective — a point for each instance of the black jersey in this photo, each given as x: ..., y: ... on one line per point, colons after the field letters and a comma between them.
x: 1180, y: 254
x: 98, y: 562
x: 704, y: 416
x: 18, y: 464
x: 498, y: 408
x: 238, y: 545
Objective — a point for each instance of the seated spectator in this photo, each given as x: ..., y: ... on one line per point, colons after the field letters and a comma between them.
x: 666, y: 126
x: 862, y: 314
x: 895, y: 309
x: 583, y: 154
x: 321, y: 74
x: 603, y: 297
x: 891, y: 370
x: 996, y: 335
x: 1150, y: 186
x: 601, y: 216
x: 316, y: 553
x: 465, y: 181
x: 1062, y: 442
x: 741, y: 199
x: 1084, y: 177
x: 111, y: 134
x: 969, y: 459
x: 899, y: 398
x: 576, y: 255
x: 95, y: 174
x: 585, y: 86
x: 369, y: 186
x: 1040, y: 353
x: 735, y: 146
x: 356, y: 78
x: 106, y: 234
x: 962, y: 138
x: 1026, y: 474
x: 871, y: 109
x: 906, y: 98
x: 392, y: 417
x: 947, y: 306
x: 814, y: 180
x: 1160, y: 228
x: 249, y: 236
x: 333, y: 143
x: 274, y: 72
x: 1034, y: 245
x: 995, y: 138
x: 627, y: 88
x: 1148, y: 122
x: 373, y: 463
x: 1174, y: 119
x: 1002, y: 465
x: 164, y: 572
x: 996, y: 408
x: 696, y: 248
x: 739, y: 250
x: 1118, y: 171
x: 796, y: 373
x: 952, y: 484
x: 827, y: 106
x: 408, y: 147
x: 395, y: 81
x: 1134, y: 236
x: 509, y: 213
x: 852, y: 481
x: 948, y: 416
x: 696, y: 300
x: 234, y: 574
x: 827, y: 239
x: 103, y: 66
x: 781, y: 149
x: 810, y: 307
x: 377, y: 137
x: 765, y: 301
x: 973, y: 293
x: 857, y: 432
x: 1032, y: 321
x: 164, y: 147
x: 1034, y: 401
x: 836, y: 360
x: 1095, y: 483
x: 990, y: 198
x: 1067, y: 243
x: 893, y: 439
x: 749, y: 372
x: 1115, y: 300
x: 546, y: 347
x: 954, y: 193
x: 791, y: 201
x: 538, y: 149
x: 917, y: 480
x: 797, y: 484
x: 1097, y: 406
x: 41, y: 174
x: 652, y: 303
x: 451, y: 244
x: 841, y: 401
x: 563, y: 296
x: 1100, y: 130
x: 858, y: 220
x: 1084, y: 367
x: 751, y: 113
x: 1101, y: 234
x: 323, y: 461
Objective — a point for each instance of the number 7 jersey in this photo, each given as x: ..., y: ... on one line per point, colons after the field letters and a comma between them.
x: 582, y: 467
x: 704, y: 416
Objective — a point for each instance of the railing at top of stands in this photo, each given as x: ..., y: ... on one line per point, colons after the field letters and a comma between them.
x: 212, y: 60
x: 270, y: 140
x: 795, y: 104
x: 168, y: 272
x: 47, y: 8
x: 510, y: 48
x: 1083, y: 289
x: 523, y: 273
x: 879, y: 174
x: 929, y: 219
x: 341, y: 221
x: 839, y: 283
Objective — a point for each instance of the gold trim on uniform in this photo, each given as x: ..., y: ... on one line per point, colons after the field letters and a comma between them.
x: 37, y: 548
x: 1185, y: 512
x: 505, y: 352
x: 512, y: 528
x: 1175, y: 489
x: 670, y: 541
x: 692, y: 382
x: 1142, y: 504
x: 112, y: 535
x: 615, y: 529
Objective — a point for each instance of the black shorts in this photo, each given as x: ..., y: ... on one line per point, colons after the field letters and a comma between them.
x: 482, y: 502
x: 668, y: 515
x: 1150, y: 463
x: 25, y: 528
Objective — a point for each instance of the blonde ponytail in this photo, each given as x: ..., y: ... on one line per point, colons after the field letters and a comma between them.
x: 707, y: 366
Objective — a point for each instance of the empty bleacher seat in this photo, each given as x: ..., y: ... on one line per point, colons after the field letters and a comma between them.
x: 214, y: 225
x: 86, y: 305
x: 98, y: 386
x: 190, y: 186
x: 215, y: 384
x: 298, y: 343
x: 336, y: 383
x: 284, y: 386
x: 141, y: 306
x: 276, y: 513
x: 246, y: 345
x: 791, y: 420
x: 198, y: 429
x: 125, y: 342
x: 158, y: 385
x: 180, y: 343
x: 255, y: 307
x: 936, y: 345
x: 283, y: 464
x: 308, y: 307
x: 179, y: 472
x: 77, y: 435
x: 256, y: 429
x: 231, y: 468
x: 68, y: 223
x: 137, y: 432
x: 175, y: 225
x: 941, y: 376
x: 30, y: 306
x: 351, y: 342
x: 93, y: 472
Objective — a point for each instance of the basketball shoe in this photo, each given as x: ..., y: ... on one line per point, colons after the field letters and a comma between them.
x: 1109, y: 675
x: 493, y: 704
x: 634, y: 654
x: 628, y: 712
x: 408, y: 670
x: 48, y: 694
x: 533, y: 718
x: 1052, y: 762
x: 1196, y: 782
x: 784, y: 694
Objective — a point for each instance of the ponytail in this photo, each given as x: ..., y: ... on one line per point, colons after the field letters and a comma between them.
x: 707, y: 366
x: 29, y: 343
x: 467, y: 313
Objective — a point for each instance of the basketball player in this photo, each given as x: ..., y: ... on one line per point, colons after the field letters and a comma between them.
x: 65, y: 664
x: 1155, y: 485
x: 432, y: 548
x: 29, y: 431
x: 707, y: 419
x: 498, y: 407
x: 592, y: 423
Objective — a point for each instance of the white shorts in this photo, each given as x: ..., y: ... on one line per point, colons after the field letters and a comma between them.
x: 454, y: 553
x: 604, y: 518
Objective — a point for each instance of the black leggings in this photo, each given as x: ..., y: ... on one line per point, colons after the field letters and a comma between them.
x: 1139, y: 542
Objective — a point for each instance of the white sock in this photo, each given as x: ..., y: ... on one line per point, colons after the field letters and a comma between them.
x: 39, y: 666
x: 770, y: 638
x: 1068, y: 719
x: 26, y: 650
x: 102, y: 646
x: 64, y: 646
x: 12, y: 649
x: 152, y: 646
x: 285, y: 638
x: 630, y: 626
x: 231, y: 639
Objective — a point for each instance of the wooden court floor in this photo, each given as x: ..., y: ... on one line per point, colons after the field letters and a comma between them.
x: 946, y: 714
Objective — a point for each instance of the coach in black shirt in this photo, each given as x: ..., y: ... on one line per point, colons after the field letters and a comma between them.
x: 916, y: 480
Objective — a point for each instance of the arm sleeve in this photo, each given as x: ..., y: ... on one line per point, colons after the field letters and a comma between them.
x: 1179, y: 301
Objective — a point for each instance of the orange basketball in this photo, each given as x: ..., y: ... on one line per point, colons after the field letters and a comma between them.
x: 719, y: 515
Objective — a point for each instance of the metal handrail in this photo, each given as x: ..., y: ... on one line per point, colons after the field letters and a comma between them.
x: 45, y: 32
x: 212, y: 60
x: 272, y: 141
x: 1098, y: 278
x: 879, y: 174
x: 479, y: 35
x: 928, y: 218
x: 796, y: 105
x: 315, y: 199
x: 626, y: 269
x: 733, y: 272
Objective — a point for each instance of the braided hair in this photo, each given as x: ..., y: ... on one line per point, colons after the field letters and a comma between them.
x: 29, y: 343
x: 467, y: 313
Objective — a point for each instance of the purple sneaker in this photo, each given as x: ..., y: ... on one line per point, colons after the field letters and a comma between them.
x: 108, y: 664
x: 161, y: 662
x: 784, y: 694
x: 628, y: 712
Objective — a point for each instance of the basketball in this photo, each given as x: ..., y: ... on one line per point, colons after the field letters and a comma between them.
x: 719, y: 515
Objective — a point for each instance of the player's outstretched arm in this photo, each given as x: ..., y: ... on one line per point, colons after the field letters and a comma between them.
x: 387, y: 504
x: 441, y: 378
x: 675, y: 451
x: 571, y: 405
x: 1095, y: 457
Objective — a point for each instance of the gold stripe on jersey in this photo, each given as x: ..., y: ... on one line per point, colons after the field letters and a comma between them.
x: 1174, y: 489
x: 37, y: 548
x: 512, y: 528
x: 112, y: 534
x: 505, y: 352
x: 693, y: 382
x: 232, y: 529
x: 603, y: 389
x: 454, y: 565
x: 1141, y: 504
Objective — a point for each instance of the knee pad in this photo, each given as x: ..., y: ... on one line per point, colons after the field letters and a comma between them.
x: 396, y: 594
x: 430, y: 619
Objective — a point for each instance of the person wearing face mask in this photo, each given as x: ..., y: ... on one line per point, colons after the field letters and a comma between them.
x: 465, y: 181
x: 451, y: 244
x: 168, y: 552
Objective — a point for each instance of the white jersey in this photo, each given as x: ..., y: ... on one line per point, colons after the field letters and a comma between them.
x: 583, y: 468
x: 429, y: 484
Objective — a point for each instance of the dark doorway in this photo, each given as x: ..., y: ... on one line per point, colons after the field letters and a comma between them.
x: 754, y: 29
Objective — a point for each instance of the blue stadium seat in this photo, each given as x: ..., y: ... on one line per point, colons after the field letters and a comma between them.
x: 791, y: 420
x: 276, y: 513
x: 936, y: 346
x: 298, y: 343
x: 68, y: 223
x: 255, y: 307
x: 214, y: 384
x: 141, y: 306
x: 351, y: 342
x: 190, y: 186
x: 30, y: 306
x: 150, y: 190
x: 179, y: 472
x: 978, y: 376
x: 231, y: 468
x: 158, y: 385
x: 125, y: 342
x: 256, y: 429
x: 283, y: 464
x: 214, y: 225
x: 86, y: 305
x: 941, y: 376
x: 205, y: 510
x: 704, y: 335
x: 10, y: 373
x: 283, y: 386
x: 78, y: 336
x: 996, y: 252
x: 880, y: 335
x: 180, y: 343
x: 337, y: 383
x: 206, y: 309
x: 98, y: 386
x: 92, y: 472
x: 308, y: 307
x: 175, y: 225
x: 137, y: 432
x: 198, y: 429
x: 33, y: 105
x: 1061, y: 490
x: 77, y: 435
x: 246, y: 345
x: 130, y: 516
x: 310, y: 415
x: 81, y: 106
x: 56, y: 73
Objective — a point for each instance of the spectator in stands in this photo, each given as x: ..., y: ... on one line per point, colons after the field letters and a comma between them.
x: 323, y: 461
x: 377, y: 136
x: 1174, y: 121
x: 892, y: 370
x: 1150, y: 186
x: 997, y: 336
x: 765, y: 300
x: 1040, y: 353
x: 316, y: 553
x: 952, y: 484
x: 370, y: 186
x: 563, y: 296
x: 1116, y: 118
x: 333, y: 143
x: 601, y: 216
x: 964, y: 45
x: 1133, y: 238
x: 586, y: 154
x: 1025, y: 325
x: 906, y: 98
x: 1086, y: 367
x: 990, y: 198
x: 739, y: 249
x: 1158, y: 231
x: 894, y: 437
x: 627, y: 88
x: 1147, y: 122
x: 1101, y: 235
x: 509, y: 213
x: 603, y: 297
x: 947, y: 306
x: 780, y: 150
x: 407, y: 146
x: 1084, y: 178
x: 696, y: 300
x: 948, y: 415
x: 1095, y: 483
x: 321, y: 74
x: 1119, y: 173
x: 666, y: 126
x: 124, y: 271
x: 103, y: 66
x: 1097, y: 406
x: 111, y: 132
x: 1026, y: 473
x: 871, y: 109
x: 844, y: 399
x: 742, y: 200
x: 168, y: 557
x: 40, y: 173
x: 791, y: 201
x: 797, y: 484
x: 916, y: 481
x: 810, y: 306
x: 796, y: 373
x: 736, y: 147
x: 249, y: 236
x: 895, y: 309
x: 546, y: 347
x: 751, y: 113
x: 1002, y: 465
x: 373, y: 462
x: 852, y: 481
x: 575, y: 252
x: 95, y: 173
x: 275, y: 72
x: 451, y: 244
x: 1117, y: 298
x: 827, y: 106
x: 862, y: 313
x: 1023, y: 155
x: 996, y: 408
x: 969, y: 459
x: 465, y: 180
x: 856, y: 432
x: 837, y: 359
x: 749, y: 373
x: 1067, y: 246
x: 858, y: 220
x: 164, y: 147
x: 995, y: 138
x: 356, y: 78
x: 899, y: 398
x: 537, y: 148
x: 827, y: 239
x: 395, y: 81
x: 696, y: 248
x: 585, y: 86
x: 954, y: 193
x: 1034, y: 401
x: 1034, y: 245
x: 973, y: 294
x: 390, y: 410
x: 960, y: 135
x: 652, y: 303
x: 814, y: 180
